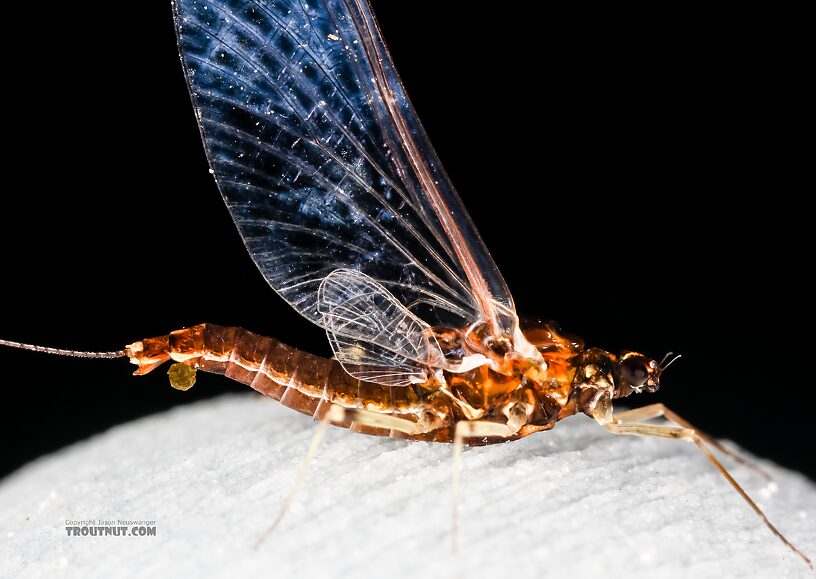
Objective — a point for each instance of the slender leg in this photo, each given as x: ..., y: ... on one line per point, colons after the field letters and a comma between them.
x: 335, y: 413
x: 666, y: 431
x: 659, y: 410
x: 466, y: 429
x: 378, y: 420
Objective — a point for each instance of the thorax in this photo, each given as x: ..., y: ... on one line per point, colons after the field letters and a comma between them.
x: 534, y: 391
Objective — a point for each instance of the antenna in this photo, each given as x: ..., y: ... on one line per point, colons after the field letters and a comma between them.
x: 672, y: 361
x: 61, y: 352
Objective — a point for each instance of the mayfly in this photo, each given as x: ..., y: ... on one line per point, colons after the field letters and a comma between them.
x: 347, y: 212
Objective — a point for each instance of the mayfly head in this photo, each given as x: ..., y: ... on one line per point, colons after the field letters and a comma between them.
x: 601, y: 377
x: 636, y: 373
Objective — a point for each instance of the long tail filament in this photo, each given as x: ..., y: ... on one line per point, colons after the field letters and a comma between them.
x: 62, y: 352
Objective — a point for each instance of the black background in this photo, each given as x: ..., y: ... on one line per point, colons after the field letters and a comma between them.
x: 634, y: 174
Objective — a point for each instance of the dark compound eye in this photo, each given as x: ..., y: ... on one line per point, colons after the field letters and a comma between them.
x: 635, y: 370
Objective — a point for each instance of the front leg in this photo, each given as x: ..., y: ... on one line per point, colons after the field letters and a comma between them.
x: 660, y: 410
x: 621, y: 425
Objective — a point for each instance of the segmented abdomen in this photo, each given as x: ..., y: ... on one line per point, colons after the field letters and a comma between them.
x: 304, y: 382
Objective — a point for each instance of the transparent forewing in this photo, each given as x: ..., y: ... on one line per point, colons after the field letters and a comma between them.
x: 323, y: 163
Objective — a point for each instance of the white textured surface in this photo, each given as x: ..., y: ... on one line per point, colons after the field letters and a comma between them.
x: 574, y: 501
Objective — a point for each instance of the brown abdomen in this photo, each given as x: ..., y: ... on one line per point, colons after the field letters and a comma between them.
x: 299, y: 380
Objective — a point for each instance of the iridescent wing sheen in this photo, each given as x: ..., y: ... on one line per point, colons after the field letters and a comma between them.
x: 324, y: 165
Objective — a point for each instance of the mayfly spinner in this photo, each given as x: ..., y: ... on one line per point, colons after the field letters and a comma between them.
x: 347, y: 212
